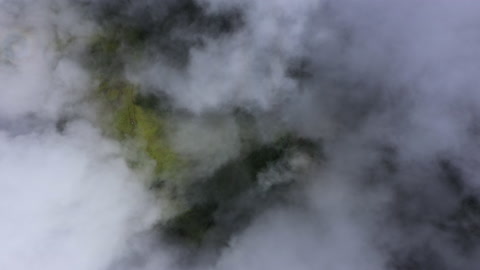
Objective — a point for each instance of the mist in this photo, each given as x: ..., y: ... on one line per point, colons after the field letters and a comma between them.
x: 245, y: 134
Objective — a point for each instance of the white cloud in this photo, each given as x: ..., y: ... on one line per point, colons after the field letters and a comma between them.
x: 67, y: 201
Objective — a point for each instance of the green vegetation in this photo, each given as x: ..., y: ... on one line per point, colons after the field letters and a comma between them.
x: 193, y: 224
x: 143, y: 125
x: 126, y: 114
x: 221, y: 192
x: 140, y: 120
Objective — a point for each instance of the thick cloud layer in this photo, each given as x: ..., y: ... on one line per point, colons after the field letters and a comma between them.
x: 67, y: 201
x: 388, y: 88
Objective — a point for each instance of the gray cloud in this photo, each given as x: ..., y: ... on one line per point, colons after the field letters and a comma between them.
x: 388, y: 89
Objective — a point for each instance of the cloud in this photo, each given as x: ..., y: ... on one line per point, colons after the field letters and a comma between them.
x: 67, y: 201
x: 389, y: 90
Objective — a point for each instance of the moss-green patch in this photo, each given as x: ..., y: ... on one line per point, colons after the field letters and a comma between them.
x: 125, y: 113
x: 143, y: 125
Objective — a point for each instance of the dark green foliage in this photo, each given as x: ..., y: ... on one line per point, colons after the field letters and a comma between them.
x: 217, y: 201
x: 265, y: 155
x: 165, y: 16
x: 190, y: 14
x: 167, y: 30
x: 109, y: 49
x: 193, y: 224
x: 147, y: 101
